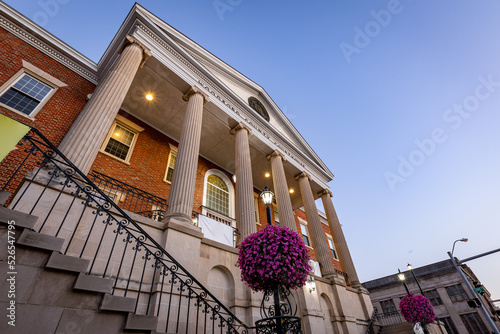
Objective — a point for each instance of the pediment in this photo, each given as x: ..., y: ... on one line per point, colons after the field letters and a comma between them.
x: 248, y: 92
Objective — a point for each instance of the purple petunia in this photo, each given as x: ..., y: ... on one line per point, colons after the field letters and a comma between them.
x: 274, y: 256
x: 417, y: 308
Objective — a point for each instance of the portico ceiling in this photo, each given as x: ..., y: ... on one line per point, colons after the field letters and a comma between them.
x: 166, y: 114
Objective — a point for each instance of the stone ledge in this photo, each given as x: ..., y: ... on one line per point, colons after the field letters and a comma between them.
x: 117, y: 304
x: 23, y: 220
x: 68, y: 263
x: 183, y: 227
x: 36, y: 240
x: 141, y: 322
x: 219, y: 245
x: 93, y: 284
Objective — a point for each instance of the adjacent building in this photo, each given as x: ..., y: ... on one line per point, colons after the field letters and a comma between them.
x: 447, y: 292
x: 185, y: 144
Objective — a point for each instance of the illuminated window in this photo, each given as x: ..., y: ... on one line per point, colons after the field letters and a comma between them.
x: 121, y: 139
x: 217, y: 195
x: 171, y: 163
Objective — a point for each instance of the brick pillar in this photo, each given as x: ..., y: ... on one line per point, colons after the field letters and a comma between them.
x: 245, y: 207
x: 319, y: 241
x: 339, y: 239
x: 181, y: 195
x: 283, y: 201
x: 87, y: 134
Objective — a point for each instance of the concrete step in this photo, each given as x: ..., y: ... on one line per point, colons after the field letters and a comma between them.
x: 93, y: 284
x: 4, y: 195
x: 141, y: 322
x: 117, y: 304
x: 41, y: 241
x: 21, y: 219
x: 67, y: 263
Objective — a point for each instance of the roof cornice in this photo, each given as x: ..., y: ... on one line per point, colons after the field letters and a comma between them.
x: 25, y: 29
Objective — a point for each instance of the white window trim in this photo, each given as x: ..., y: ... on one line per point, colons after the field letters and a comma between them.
x: 173, y: 149
x: 256, y: 198
x: 329, y: 237
x: 38, y: 74
x: 229, y: 187
x: 303, y: 222
x: 129, y: 125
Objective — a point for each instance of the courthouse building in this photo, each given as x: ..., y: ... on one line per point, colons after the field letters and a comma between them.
x: 184, y: 144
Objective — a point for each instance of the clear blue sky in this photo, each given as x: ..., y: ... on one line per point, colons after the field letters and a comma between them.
x: 413, y: 97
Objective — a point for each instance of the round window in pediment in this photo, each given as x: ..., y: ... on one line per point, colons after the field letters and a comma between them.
x: 258, y: 107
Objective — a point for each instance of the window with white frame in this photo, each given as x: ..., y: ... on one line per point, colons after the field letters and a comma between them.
x: 28, y: 90
x: 276, y: 216
x: 218, y: 193
x: 121, y: 139
x: 305, y: 233
x: 256, y: 208
x: 171, y: 163
x: 332, y: 247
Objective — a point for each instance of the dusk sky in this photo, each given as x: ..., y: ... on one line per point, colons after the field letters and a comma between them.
x: 400, y: 99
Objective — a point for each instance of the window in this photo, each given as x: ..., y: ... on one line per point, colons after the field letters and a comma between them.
x: 28, y: 90
x: 171, y: 163
x: 276, y: 216
x: 305, y: 233
x: 434, y: 298
x: 121, y: 139
x: 456, y: 293
x: 256, y: 208
x: 332, y: 247
x: 473, y: 323
x: 218, y: 193
x: 388, y: 307
x: 449, y: 326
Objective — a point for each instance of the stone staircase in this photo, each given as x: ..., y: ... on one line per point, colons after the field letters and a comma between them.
x: 52, y: 292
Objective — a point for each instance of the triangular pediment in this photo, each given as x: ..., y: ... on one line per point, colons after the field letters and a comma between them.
x: 240, y: 86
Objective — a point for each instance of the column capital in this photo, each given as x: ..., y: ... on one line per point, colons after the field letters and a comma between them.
x: 240, y: 126
x: 301, y: 175
x: 195, y: 90
x: 276, y: 153
x: 146, y: 52
x: 325, y: 192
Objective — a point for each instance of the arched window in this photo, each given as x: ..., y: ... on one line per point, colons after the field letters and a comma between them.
x: 218, y: 193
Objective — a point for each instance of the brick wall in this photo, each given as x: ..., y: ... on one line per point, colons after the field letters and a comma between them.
x: 57, y: 115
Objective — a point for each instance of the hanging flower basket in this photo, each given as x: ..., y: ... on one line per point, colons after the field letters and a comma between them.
x: 417, y: 308
x: 275, y: 256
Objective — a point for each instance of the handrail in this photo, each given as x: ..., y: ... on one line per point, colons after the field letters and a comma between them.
x: 65, y: 175
x: 372, y: 321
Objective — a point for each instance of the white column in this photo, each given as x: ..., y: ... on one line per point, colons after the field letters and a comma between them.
x: 283, y: 201
x: 86, y: 135
x: 321, y: 248
x: 245, y: 206
x: 339, y: 239
x: 181, y: 195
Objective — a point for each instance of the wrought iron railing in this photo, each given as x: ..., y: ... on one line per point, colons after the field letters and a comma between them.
x: 370, y: 329
x: 70, y: 206
x: 129, y: 197
x: 392, y: 318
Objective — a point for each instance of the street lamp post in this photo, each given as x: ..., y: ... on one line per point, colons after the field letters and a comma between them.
x: 267, y: 198
x: 415, y: 277
x: 402, y: 278
x: 471, y: 289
